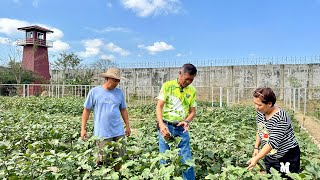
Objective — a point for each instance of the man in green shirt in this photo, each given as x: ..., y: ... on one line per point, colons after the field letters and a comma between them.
x: 175, y: 110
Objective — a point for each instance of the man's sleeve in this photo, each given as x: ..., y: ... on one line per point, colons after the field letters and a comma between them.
x: 162, y: 94
x: 123, y: 101
x: 88, y: 104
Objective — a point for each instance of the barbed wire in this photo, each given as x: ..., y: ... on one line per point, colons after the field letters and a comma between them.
x: 212, y: 62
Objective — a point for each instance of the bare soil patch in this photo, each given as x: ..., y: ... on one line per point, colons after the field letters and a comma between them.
x: 311, y: 125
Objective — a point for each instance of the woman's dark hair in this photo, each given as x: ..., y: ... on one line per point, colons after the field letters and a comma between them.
x: 266, y: 95
x: 189, y: 68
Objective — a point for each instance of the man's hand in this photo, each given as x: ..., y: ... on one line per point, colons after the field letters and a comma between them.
x: 164, y: 131
x: 83, y: 134
x: 252, y: 162
x: 128, y: 131
x: 185, y: 126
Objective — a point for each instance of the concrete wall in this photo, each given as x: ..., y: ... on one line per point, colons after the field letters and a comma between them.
x: 237, y: 81
x: 276, y: 76
x: 282, y: 76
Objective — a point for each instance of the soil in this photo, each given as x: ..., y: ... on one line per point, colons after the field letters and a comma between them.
x: 311, y: 125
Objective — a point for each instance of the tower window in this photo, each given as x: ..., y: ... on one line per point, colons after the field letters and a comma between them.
x: 30, y: 34
x: 40, y: 35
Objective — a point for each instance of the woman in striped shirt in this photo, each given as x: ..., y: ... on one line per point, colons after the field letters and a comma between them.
x: 275, y: 135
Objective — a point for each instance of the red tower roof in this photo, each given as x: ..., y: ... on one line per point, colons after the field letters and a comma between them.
x: 35, y: 27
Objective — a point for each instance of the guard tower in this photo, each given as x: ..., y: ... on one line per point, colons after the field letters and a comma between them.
x: 35, y: 50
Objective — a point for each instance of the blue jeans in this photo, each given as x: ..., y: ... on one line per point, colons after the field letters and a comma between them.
x: 184, y: 146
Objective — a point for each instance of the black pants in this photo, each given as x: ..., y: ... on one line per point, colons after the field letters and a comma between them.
x: 290, y: 161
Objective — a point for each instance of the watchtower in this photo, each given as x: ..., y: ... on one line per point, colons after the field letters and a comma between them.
x: 35, y: 50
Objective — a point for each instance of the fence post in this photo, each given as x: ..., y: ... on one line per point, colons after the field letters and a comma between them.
x: 290, y: 98
x: 24, y: 90
x: 220, y: 96
x: 238, y: 95
x: 305, y: 101
x: 299, y: 99
x: 85, y: 91
x: 128, y: 95
x: 294, y: 99
x: 211, y: 96
x: 233, y: 95
x: 28, y: 90
x: 152, y: 93
x: 62, y: 90
x: 49, y: 88
x: 285, y: 96
x: 227, y: 97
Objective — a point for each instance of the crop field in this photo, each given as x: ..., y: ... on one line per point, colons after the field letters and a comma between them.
x: 40, y: 139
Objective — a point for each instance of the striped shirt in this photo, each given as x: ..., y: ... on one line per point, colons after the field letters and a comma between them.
x: 277, y: 132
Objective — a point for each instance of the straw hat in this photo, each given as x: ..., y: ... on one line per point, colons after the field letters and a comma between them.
x: 112, y: 73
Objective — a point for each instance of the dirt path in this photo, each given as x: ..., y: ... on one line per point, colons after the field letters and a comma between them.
x: 310, y: 125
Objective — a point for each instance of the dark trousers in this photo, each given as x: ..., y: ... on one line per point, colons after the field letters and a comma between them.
x: 290, y: 162
x: 119, y: 150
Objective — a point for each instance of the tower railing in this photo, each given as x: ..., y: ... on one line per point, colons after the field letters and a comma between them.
x: 34, y: 41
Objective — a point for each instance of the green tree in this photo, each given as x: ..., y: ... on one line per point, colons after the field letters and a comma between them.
x: 11, y: 71
x: 13, y: 63
x: 68, y: 63
x: 15, y: 69
x: 9, y: 76
x: 84, y: 78
x: 103, y: 64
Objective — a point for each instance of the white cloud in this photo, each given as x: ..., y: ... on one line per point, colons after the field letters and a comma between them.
x: 93, y: 42
x: 16, y: 1
x: 59, y: 45
x: 157, y: 47
x: 89, y: 52
x: 105, y: 56
x: 92, y: 47
x: 9, y: 26
x: 144, y: 8
x: 4, y: 40
x: 114, y: 48
x: 57, y: 33
x: 179, y: 55
x: 56, y: 36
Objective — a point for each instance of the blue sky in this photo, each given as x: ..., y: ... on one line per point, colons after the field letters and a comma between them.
x: 166, y: 30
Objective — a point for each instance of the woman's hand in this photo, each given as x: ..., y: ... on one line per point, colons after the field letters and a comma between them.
x: 252, y: 162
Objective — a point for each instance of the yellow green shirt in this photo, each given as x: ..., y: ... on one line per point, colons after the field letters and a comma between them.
x: 176, y: 103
